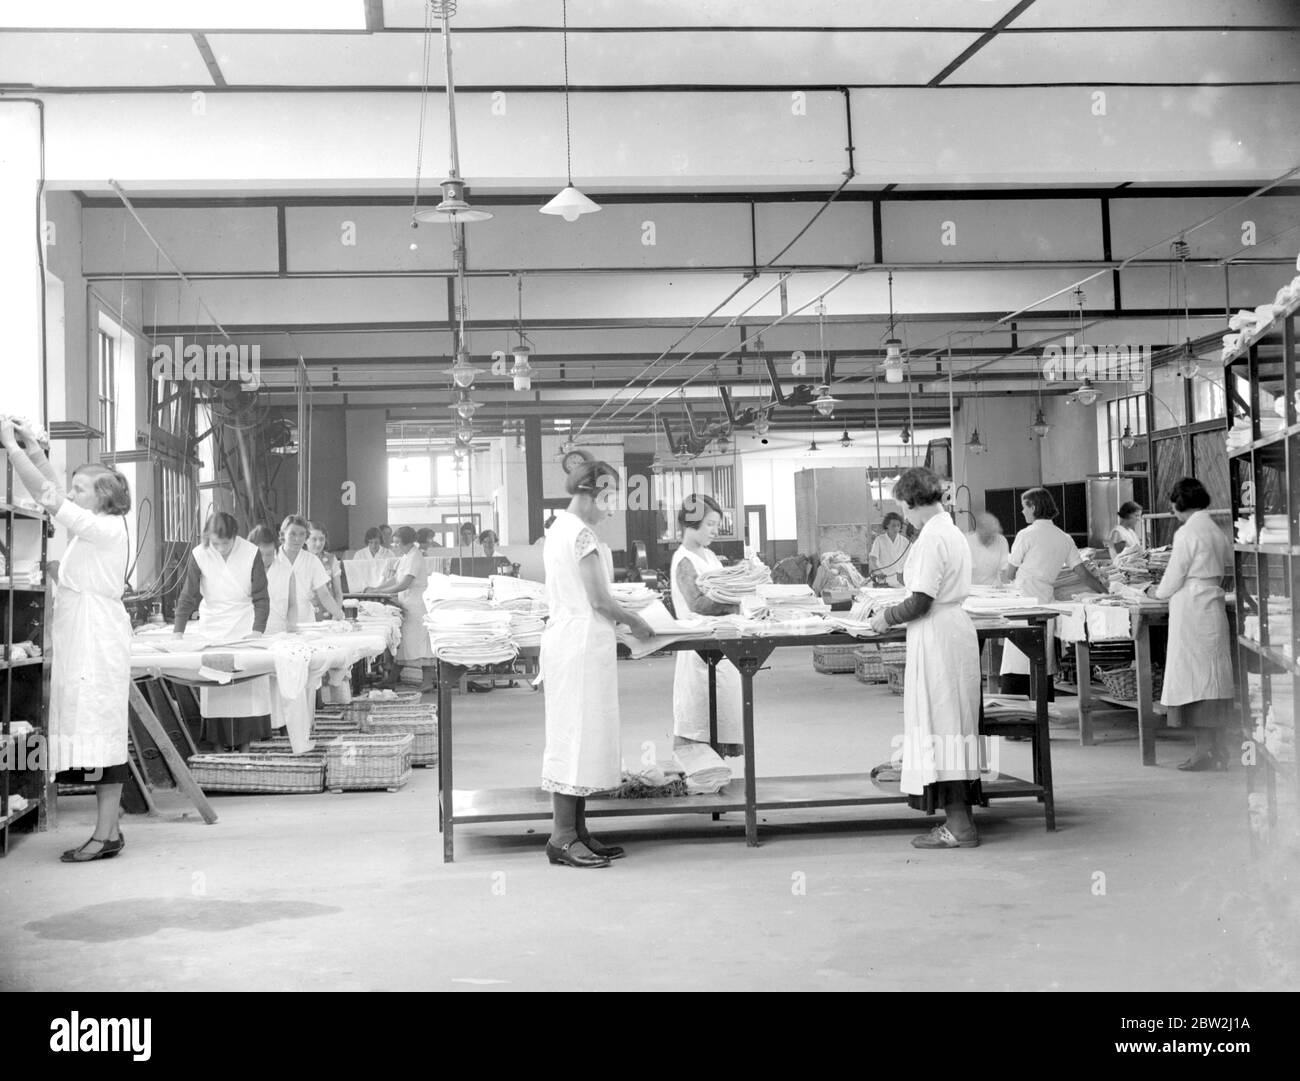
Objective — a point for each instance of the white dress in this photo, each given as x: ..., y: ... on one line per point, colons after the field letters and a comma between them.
x: 91, y: 637
x: 226, y: 615
x: 1132, y: 542
x: 1042, y: 550
x: 1198, y: 661
x: 691, y: 677
x: 987, y: 560
x: 890, y: 557
x: 371, y: 569
x: 579, y: 657
x: 297, y: 581
x: 941, y: 685
x: 414, y: 648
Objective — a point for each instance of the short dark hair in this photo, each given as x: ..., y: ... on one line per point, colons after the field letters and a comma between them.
x: 483, y: 537
x: 424, y: 536
x: 468, y: 527
x: 383, y: 526
x: 695, y: 508
x: 892, y: 516
x: 918, y: 487
x: 405, y: 534
x: 1040, y: 501
x: 220, y: 525
x: 262, y: 534
x: 591, y: 477
x: 112, y: 490
x: 1189, y: 494
x: 291, y: 520
x: 316, y: 527
x: 373, y: 534
x: 1129, y: 508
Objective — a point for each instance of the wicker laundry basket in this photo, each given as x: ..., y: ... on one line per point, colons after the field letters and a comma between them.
x: 833, y: 660
x: 367, y: 761
x: 1122, y: 682
x: 269, y: 772
x: 894, y: 675
x: 870, y: 660
x: 419, y: 722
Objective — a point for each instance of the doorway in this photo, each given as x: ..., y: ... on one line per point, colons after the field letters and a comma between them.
x: 756, y: 531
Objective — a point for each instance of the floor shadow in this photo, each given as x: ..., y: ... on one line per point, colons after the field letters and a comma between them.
x: 138, y: 917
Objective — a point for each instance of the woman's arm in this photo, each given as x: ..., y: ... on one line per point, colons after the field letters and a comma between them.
x: 1180, y: 562
x: 261, y: 596
x: 687, y: 582
x: 191, y: 593
x: 394, y: 585
x: 819, y: 580
x: 32, y: 467
x: 600, y: 598
x: 855, y: 579
x: 916, y: 605
x: 328, y: 602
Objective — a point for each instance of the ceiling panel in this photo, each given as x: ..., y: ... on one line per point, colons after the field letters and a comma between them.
x: 101, y: 60
x: 612, y: 59
x: 632, y: 13
x: 191, y: 15
x: 1058, y: 13
x: 1138, y: 57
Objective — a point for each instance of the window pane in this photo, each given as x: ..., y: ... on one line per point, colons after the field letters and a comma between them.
x: 1207, y: 396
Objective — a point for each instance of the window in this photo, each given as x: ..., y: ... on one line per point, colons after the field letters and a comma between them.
x: 673, y: 486
x: 447, y: 479
x: 179, y: 503
x: 1126, y: 413
x: 108, y: 389
x: 409, y: 477
x: 1208, y: 401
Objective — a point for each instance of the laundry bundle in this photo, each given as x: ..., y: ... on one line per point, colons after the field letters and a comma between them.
x: 730, y: 585
x: 506, y: 588
x: 791, y: 603
x: 703, y: 767
x: 633, y: 596
x: 469, y: 632
x: 454, y: 587
x: 526, y: 627
x: 384, y: 618
x: 995, y: 601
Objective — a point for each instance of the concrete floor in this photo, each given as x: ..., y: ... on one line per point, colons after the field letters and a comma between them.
x: 1147, y: 884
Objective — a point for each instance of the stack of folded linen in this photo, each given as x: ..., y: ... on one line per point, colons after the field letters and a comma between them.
x: 791, y: 603
x: 731, y: 585
x: 469, y: 633
x: 377, y: 616
x: 633, y: 595
x: 703, y: 767
x: 454, y: 587
x: 995, y: 601
x: 1277, y: 530
x: 506, y: 588
x: 526, y: 627
x: 1241, y: 433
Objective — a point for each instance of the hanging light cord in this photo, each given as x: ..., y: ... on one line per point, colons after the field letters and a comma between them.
x: 424, y: 97
x: 568, y: 143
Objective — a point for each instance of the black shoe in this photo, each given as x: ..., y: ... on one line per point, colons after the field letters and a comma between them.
x: 566, y: 856
x: 1199, y: 763
x: 609, y: 852
x: 107, y: 849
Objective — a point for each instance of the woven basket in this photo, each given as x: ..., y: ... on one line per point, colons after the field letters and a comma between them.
x: 869, y: 662
x: 368, y: 760
x: 421, y: 725
x: 894, y: 675
x: 271, y: 771
x: 832, y: 660
x: 1122, y: 682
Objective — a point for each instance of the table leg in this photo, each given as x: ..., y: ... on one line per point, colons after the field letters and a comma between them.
x: 1083, y: 680
x: 711, y: 659
x: 1146, y: 711
x: 445, y: 790
x: 748, y: 666
x: 1043, y: 753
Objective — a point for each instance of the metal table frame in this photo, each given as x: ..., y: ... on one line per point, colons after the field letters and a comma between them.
x: 749, y: 655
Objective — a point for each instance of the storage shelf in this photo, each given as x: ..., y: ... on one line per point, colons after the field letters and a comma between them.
x: 1268, y: 549
x: 14, y: 816
x: 21, y: 664
x: 15, y: 511
x: 1267, y: 441
x: 1269, y: 653
x: 1264, y: 333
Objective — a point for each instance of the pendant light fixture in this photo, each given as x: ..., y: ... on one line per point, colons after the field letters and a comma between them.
x: 465, y: 407
x: 1188, y: 366
x: 657, y: 463
x: 522, y: 370
x: 975, y: 445
x: 453, y: 209
x: 1040, y: 427
x: 823, y: 404
x: 845, y: 439
x: 893, y: 347
x: 1086, y: 394
x: 1128, y: 440
x: 761, y: 424
x: 906, y: 434
x: 813, y: 448
x: 570, y: 204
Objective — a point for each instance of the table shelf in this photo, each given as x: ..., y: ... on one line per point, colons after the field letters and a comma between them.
x: 1269, y: 653
x: 1265, y: 441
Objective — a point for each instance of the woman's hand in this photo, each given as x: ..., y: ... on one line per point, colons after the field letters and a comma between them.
x: 879, y: 623
x: 255, y: 634
x: 8, y: 433
x: 638, y: 626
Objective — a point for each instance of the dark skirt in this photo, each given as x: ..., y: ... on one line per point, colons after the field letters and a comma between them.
x: 1206, y: 713
x: 118, y: 774
x: 1018, y: 685
x: 930, y: 801
x: 236, y: 731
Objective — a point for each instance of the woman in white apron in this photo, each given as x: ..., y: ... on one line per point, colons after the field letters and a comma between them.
x: 579, y: 660
x: 294, y: 578
x: 1124, y: 536
x: 700, y: 518
x: 409, y: 581
x: 225, y: 580
x: 318, y: 539
x: 888, y: 552
x: 91, y: 634
x: 941, y: 684
x: 1041, y: 551
x: 370, y: 563
x: 1198, y: 661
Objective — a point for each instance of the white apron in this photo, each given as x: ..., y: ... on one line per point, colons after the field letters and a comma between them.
x: 1042, y: 554
x: 691, y: 677
x: 298, y: 580
x: 941, y: 684
x: 414, y: 649
x: 225, y: 615
x: 91, y: 638
x: 1198, y: 661
x: 579, y: 655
